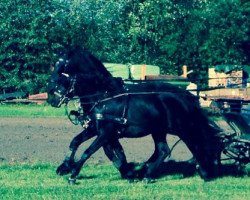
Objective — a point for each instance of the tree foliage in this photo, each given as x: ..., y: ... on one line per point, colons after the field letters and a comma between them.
x: 168, y: 33
x: 27, y: 44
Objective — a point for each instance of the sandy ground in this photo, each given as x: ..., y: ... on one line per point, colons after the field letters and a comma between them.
x: 47, y: 140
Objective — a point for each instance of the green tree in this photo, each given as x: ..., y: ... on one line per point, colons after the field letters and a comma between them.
x: 168, y: 33
x: 27, y: 44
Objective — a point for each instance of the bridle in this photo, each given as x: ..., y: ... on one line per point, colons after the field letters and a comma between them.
x: 64, y: 96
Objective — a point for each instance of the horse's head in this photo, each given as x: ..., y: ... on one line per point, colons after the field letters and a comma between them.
x: 61, y: 84
x: 79, y: 73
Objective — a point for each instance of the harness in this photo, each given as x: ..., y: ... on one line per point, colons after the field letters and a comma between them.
x: 84, y: 118
x: 79, y: 117
x: 122, y: 120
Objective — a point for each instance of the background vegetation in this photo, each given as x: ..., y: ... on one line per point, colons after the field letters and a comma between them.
x: 168, y: 33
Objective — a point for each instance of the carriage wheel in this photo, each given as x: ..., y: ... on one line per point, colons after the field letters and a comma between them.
x: 216, y: 107
x: 236, y: 153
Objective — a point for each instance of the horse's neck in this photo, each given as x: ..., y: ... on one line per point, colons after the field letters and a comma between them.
x: 116, y: 85
x: 110, y: 85
x: 90, y: 100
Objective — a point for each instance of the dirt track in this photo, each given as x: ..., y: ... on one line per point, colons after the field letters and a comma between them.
x: 47, y: 140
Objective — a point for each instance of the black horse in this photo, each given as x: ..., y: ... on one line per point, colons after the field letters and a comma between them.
x: 114, y: 110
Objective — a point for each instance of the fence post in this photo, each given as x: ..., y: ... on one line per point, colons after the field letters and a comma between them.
x: 143, y: 72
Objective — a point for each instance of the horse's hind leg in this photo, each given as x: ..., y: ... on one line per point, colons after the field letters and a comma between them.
x: 114, y: 151
x: 161, y: 152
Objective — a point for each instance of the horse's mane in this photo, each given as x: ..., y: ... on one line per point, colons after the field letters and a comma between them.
x: 79, y: 54
x: 88, y: 64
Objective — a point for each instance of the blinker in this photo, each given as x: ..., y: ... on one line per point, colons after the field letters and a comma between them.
x: 57, y: 94
x: 66, y: 75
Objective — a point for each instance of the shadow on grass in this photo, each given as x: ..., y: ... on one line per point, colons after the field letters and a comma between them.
x: 184, y: 169
x: 188, y: 169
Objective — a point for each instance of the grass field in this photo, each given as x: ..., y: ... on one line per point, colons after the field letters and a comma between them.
x: 39, y: 181
x: 30, y: 110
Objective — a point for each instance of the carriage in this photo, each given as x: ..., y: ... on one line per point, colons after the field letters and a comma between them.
x: 111, y: 108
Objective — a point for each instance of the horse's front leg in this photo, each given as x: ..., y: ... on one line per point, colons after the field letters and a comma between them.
x: 69, y: 161
x: 97, y: 143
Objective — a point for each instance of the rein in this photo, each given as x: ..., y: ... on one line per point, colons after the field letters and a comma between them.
x: 82, y: 118
x: 115, y: 96
x: 101, y: 96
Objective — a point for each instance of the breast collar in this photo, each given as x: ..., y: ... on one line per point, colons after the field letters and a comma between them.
x: 84, y: 118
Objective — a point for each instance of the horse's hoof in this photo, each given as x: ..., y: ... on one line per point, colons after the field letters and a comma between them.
x: 205, y: 176
x: 61, y: 171
x: 129, y: 175
x: 148, y: 180
x: 72, y: 181
x: 65, y: 168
